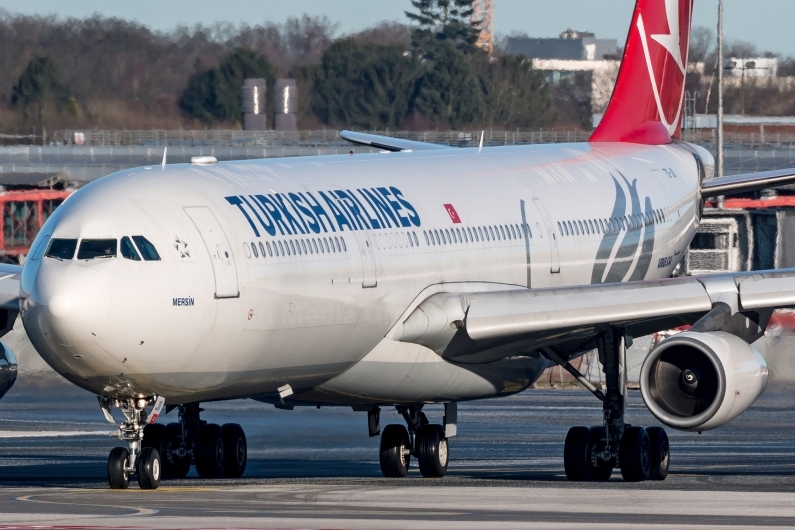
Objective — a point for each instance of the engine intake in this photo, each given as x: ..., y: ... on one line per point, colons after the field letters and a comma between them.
x: 700, y: 381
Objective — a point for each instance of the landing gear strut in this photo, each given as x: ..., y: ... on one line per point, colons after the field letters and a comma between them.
x: 425, y: 441
x: 156, y: 451
x: 136, y: 459
x: 593, y: 453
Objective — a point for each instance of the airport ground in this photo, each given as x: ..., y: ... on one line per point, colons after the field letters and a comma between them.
x: 312, y: 468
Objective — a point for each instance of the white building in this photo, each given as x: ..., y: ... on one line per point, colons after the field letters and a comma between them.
x: 599, y: 77
x: 751, y: 66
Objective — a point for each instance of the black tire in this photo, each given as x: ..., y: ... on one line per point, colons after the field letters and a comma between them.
x: 432, y: 451
x: 634, y: 454
x: 155, y: 436
x: 118, y: 478
x: 660, y: 453
x: 148, y: 468
x: 235, y: 450
x: 394, y: 455
x: 604, y: 470
x: 174, y: 466
x: 577, y: 454
x: 209, y: 451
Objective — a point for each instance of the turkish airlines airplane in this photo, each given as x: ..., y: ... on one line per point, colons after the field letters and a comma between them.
x: 417, y: 276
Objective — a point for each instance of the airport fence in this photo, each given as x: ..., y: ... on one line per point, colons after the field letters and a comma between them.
x: 331, y: 137
x: 306, y: 138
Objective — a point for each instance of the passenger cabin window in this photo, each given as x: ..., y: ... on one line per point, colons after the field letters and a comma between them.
x: 62, y: 249
x: 146, y: 248
x: 97, y: 248
x: 128, y: 250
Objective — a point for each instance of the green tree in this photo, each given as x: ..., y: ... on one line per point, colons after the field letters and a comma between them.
x: 214, y: 95
x: 363, y: 85
x: 515, y: 96
x: 443, y: 20
x: 39, y: 90
x: 448, y: 93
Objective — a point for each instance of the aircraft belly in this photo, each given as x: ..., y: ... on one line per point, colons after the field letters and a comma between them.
x: 396, y: 372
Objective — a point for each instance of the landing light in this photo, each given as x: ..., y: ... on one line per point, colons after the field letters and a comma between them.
x: 141, y: 403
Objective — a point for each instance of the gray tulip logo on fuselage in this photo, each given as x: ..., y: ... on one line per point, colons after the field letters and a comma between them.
x: 625, y: 255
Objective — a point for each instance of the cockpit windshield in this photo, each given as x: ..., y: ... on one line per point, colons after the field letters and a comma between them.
x: 97, y: 248
x: 62, y: 248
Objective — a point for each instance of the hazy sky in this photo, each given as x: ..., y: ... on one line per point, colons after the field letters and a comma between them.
x: 767, y: 23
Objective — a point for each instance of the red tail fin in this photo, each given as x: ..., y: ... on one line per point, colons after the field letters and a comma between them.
x: 646, y: 106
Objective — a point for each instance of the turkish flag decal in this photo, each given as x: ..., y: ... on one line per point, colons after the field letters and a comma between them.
x: 453, y: 213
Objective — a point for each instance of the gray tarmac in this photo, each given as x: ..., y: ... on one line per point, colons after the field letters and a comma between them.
x: 312, y: 468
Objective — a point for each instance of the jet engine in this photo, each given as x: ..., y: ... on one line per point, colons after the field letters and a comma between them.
x: 699, y: 381
x: 8, y: 369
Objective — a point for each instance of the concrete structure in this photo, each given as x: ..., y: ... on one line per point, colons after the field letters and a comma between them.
x: 483, y: 15
x: 254, y: 107
x: 285, y: 105
x: 751, y: 66
x: 571, y: 45
x: 593, y: 79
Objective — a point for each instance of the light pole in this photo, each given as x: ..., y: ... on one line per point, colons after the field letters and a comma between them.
x: 720, y: 97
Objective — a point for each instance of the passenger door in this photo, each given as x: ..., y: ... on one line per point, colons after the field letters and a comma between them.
x: 554, y: 255
x: 219, y: 249
x: 364, y: 242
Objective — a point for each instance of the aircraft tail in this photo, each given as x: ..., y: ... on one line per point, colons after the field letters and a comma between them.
x: 646, y: 105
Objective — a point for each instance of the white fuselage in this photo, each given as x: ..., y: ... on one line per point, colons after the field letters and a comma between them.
x: 214, y: 318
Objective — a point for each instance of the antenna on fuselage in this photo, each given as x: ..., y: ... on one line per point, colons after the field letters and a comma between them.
x: 163, y: 163
x: 481, y: 141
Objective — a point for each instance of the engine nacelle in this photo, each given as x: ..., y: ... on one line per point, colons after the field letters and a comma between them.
x: 700, y: 381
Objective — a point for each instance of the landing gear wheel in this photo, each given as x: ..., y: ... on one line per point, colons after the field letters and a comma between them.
x: 148, y: 468
x: 577, y: 454
x: 235, y: 450
x: 660, y: 453
x: 395, y: 447
x: 173, y: 465
x: 603, y: 470
x: 432, y: 451
x: 634, y: 454
x: 209, y: 451
x: 118, y: 478
x: 155, y: 436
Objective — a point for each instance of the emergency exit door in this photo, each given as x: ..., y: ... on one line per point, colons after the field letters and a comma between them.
x: 220, y: 252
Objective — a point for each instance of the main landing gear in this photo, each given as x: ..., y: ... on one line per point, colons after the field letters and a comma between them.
x: 591, y: 454
x: 155, y: 451
x: 424, y: 441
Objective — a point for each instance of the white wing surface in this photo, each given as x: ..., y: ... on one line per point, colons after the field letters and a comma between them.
x: 482, y: 326
x: 9, y: 286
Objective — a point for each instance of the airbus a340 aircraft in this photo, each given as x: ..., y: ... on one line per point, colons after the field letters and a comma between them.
x: 421, y: 275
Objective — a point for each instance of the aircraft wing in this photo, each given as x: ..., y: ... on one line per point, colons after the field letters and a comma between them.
x: 483, y: 326
x: 9, y: 286
x: 389, y: 144
x: 747, y: 182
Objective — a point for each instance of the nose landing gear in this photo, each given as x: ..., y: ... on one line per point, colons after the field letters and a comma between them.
x: 136, y: 459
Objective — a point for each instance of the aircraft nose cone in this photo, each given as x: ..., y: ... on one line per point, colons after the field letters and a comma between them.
x: 70, y: 302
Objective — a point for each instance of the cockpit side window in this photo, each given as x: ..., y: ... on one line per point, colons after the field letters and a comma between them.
x: 97, y: 248
x: 62, y: 248
x: 38, y: 250
x: 146, y: 248
x: 128, y: 250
